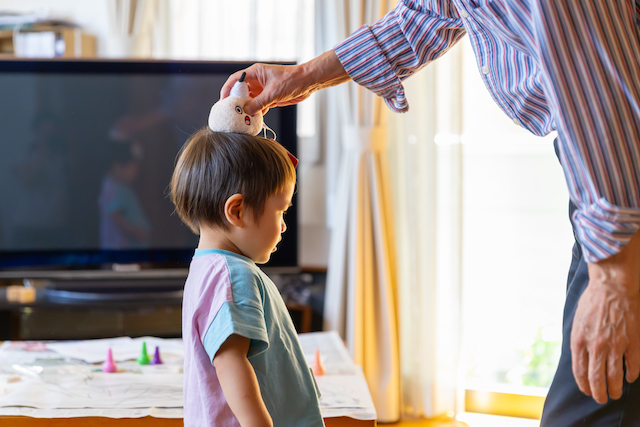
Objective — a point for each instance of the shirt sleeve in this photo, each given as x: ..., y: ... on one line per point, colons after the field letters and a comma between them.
x: 588, y: 53
x: 237, y: 319
x: 243, y: 316
x: 115, y: 203
x: 414, y: 33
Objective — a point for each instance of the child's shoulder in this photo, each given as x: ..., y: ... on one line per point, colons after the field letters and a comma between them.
x: 243, y: 270
x: 239, y: 268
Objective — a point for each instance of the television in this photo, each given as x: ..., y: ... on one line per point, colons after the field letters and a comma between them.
x: 66, y: 124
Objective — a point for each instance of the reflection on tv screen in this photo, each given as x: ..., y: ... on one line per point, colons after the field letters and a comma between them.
x: 86, y: 159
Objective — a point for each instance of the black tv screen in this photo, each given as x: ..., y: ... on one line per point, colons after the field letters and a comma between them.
x: 82, y: 139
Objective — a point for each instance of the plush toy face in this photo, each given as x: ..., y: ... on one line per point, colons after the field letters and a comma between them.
x: 227, y: 115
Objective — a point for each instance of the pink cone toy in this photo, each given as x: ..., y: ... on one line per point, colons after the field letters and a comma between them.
x: 109, y: 365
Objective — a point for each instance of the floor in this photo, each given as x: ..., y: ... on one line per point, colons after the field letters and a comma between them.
x: 467, y: 419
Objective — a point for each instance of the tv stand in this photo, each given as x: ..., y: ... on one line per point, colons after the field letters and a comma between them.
x: 102, y: 274
x: 103, y: 303
x: 80, y: 304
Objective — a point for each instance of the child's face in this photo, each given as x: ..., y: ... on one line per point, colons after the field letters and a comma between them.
x: 264, y: 235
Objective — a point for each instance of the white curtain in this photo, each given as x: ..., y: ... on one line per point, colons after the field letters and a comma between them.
x: 426, y: 172
x: 241, y: 30
x: 360, y: 300
x: 138, y: 28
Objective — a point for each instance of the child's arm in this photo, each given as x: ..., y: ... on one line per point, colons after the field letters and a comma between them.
x: 239, y: 383
x: 128, y: 227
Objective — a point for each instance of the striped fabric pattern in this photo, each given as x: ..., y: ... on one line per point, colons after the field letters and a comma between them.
x: 566, y: 65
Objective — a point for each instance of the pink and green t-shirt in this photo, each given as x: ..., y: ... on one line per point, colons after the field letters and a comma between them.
x: 226, y: 294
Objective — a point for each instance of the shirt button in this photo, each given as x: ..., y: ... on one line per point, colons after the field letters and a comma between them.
x: 485, y: 70
x: 464, y: 13
x: 516, y: 122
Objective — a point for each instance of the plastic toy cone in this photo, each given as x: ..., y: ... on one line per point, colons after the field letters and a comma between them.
x: 156, y: 357
x: 144, y: 357
x: 109, y: 365
x: 317, y: 368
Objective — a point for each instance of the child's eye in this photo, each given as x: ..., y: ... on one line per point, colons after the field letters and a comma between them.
x: 238, y: 109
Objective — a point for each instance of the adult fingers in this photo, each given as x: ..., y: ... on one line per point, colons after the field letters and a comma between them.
x: 258, y: 104
x: 580, y: 366
x: 632, y: 359
x: 597, y: 376
x: 231, y: 80
x: 614, y: 376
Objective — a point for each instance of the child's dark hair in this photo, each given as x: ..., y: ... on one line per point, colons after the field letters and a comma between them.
x: 212, y: 166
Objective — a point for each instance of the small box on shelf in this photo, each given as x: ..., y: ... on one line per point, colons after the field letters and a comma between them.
x: 46, y: 39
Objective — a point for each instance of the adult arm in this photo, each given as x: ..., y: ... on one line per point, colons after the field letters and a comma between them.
x: 606, y: 325
x: 281, y: 85
x: 587, y: 51
x: 239, y: 383
x: 377, y: 57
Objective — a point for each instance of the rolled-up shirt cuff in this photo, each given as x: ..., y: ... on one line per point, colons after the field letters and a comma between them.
x: 603, y: 229
x: 367, y: 65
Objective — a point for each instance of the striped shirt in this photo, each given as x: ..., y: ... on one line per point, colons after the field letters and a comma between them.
x: 570, y: 66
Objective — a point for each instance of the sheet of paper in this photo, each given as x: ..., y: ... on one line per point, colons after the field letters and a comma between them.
x: 91, y: 412
x: 123, y: 348
x: 95, y: 351
x: 346, y: 396
x: 70, y: 389
x: 334, y: 355
x: 23, y: 353
x: 94, y: 390
x: 71, y: 413
x: 343, y: 387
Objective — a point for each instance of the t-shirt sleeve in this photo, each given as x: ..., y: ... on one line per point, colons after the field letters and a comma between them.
x: 115, y: 202
x: 239, y: 319
x: 243, y: 315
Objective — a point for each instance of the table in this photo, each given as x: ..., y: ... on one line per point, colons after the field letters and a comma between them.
x: 343, y: 384
x: 10, y: 421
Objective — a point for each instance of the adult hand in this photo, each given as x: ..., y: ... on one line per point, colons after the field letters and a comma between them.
x: 279, y: 85
x: 606, y: 326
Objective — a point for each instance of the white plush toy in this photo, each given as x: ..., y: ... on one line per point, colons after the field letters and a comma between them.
x: 227, y: 115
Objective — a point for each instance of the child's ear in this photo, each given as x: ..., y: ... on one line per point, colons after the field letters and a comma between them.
x: 234, y: 210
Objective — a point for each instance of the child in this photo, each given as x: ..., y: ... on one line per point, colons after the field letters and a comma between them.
x: 123, y: 223
x: 243, y: 362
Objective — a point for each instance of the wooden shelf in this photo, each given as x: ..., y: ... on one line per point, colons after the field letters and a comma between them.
x: 77, y: 43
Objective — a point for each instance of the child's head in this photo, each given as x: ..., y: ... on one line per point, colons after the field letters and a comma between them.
x: 214, y: 166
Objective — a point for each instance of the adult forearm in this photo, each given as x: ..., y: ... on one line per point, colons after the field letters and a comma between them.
x: 606, y: 325
x: 620, y: 272
x: 274, y: 85
x: 323, y: 71
x: 584, y: 50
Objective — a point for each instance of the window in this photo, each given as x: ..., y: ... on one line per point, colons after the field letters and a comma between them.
x: 516, y: 249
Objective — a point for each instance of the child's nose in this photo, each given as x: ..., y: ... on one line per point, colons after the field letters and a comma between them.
x: 283, y: 226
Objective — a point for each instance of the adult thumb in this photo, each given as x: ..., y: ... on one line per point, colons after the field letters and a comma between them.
x: 256, y: 105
